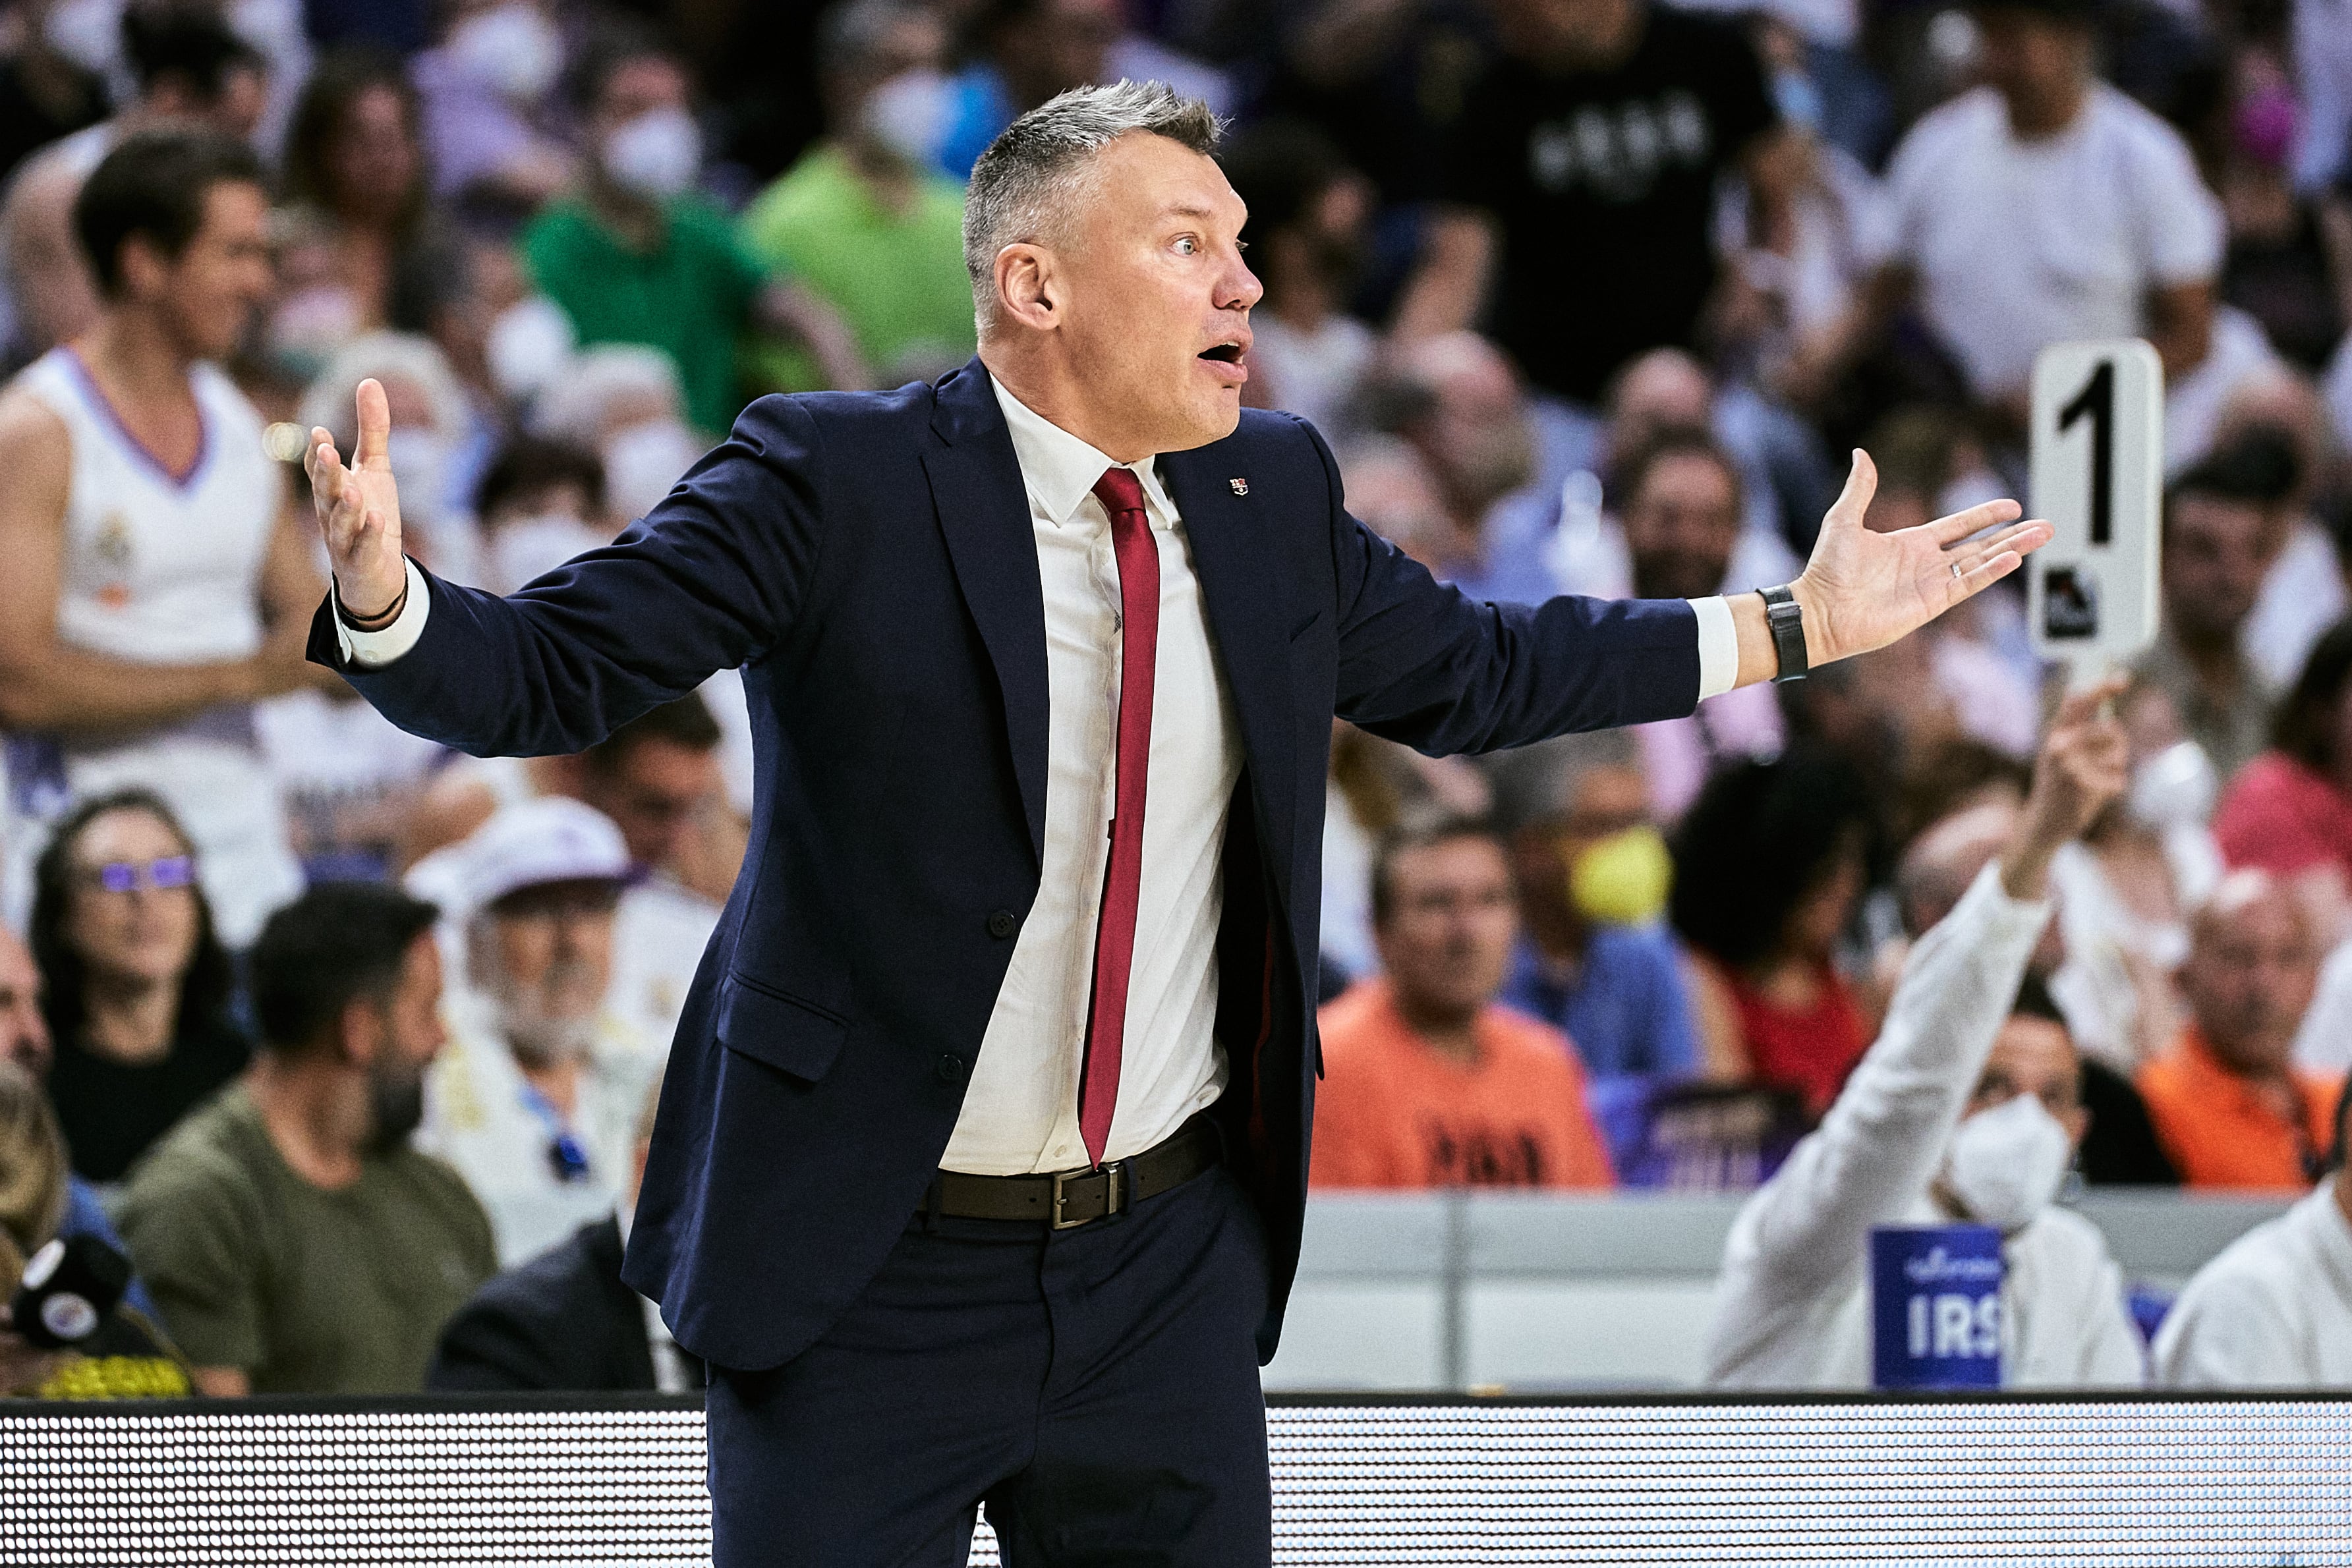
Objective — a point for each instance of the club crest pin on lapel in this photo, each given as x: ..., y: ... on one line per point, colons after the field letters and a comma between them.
x: 1240, y: 487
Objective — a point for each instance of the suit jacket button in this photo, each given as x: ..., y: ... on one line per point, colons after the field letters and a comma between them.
x: 1003, y: 923
x: 952, y: 1069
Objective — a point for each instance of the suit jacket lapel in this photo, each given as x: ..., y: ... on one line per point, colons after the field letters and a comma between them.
x: 1244, y: 608
x: 984, y: 513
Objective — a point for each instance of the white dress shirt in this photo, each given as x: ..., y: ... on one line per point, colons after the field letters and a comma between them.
x: 1020, y: 1110
x: 2273, y: 1311
x: 1792, y: 1304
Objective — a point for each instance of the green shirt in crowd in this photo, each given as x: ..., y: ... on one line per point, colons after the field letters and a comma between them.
x: 896, y: 279
x: 689, y: 296
x: 306, y: 1291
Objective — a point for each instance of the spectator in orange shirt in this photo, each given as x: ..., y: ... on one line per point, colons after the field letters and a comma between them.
x: 1430, y: 1082
x: 2227, y: 1106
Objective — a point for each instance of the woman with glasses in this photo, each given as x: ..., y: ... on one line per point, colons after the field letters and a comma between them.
x: 137, y: 985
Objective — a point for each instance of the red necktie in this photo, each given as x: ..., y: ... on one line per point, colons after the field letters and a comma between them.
x: 1121, y: 494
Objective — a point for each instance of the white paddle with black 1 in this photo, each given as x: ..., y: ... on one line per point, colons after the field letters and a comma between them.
x: 2098, y: 478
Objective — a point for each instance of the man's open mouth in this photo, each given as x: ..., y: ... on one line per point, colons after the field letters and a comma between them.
x: 1224, y: 353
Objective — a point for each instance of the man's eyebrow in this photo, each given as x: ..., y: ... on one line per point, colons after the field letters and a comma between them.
x: 1186, y: 210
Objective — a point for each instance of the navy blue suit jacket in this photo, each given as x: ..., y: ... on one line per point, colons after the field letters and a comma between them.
x: 867, y: 560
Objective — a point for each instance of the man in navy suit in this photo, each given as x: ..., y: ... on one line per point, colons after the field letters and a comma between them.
x: 981, y: 1162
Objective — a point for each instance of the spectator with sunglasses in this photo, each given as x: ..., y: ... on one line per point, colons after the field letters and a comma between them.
x: 536, y: 1100
x: 137, y: 985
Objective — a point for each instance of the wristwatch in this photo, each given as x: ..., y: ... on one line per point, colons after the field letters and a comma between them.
x: 1786, y: 618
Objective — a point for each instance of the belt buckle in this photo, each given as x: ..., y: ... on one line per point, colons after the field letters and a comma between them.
x: 1114, y: 1194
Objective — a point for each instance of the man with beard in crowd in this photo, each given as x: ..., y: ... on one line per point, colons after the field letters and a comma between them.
x: 537, y: 1099
x: 295, y: 1241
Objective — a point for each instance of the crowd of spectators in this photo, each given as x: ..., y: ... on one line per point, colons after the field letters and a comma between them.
x: 1586, y: 296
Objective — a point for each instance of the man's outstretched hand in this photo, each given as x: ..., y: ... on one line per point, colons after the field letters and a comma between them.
x: 1863, y: 590
x: 359, y: 511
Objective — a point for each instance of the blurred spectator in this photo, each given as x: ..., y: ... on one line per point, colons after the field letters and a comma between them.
x: 1962, y: 1109
x: 2274, y: 1310
x: 1800, y: 264
x: 127, y: 1357
x: 536, y: 1100
x: 623, y: 401
x: 295, y: 1240
x: 2118, y: 1146
x: 2279, y: 268
x: 1769, y: 862
x: 1430, y: 1082
x: 2232, y: 1109
x: 1026, y: 51
x: 2289, y: 812
x: 46, y: 93
x: 2216, y: 528
x: 564, y: 1320
x: 489, y: 118
x: 1782, y: 490
x: 2106, y: 231
x: 1459, y: 403
x: 2273, y: 431
x: 357, y: 217
x: 1593, y: 960
x: 863, y: 220
x: 1308, y: 217
x: 191, y: 69
x: 657, y: 779
x: 155, y: 578
x: 24, y: 1044
x: 1678, y: 501
x: 1373, y: 785
x: 137, y: 985
x: 541, y: 503
x: 636, y: 257
x: 1581, y: 185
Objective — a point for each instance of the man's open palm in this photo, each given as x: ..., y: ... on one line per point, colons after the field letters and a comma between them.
x: 1863, y: 590
x: 359, y: 510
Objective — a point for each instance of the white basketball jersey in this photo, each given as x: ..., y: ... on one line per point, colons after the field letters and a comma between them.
x: 160, y: 569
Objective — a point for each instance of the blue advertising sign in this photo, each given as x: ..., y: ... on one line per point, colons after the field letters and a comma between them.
x: 1935, y: 1306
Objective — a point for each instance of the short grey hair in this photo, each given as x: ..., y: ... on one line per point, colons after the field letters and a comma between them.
x: 1021, y: 186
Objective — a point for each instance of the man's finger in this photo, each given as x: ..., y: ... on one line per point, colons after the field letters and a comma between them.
x: 1984, y: 514
x: 373, y: 448
x: 2017, y: 538
x: 1861, y: 485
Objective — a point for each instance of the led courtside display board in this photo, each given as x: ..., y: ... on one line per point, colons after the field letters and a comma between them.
x: 553, y: 1482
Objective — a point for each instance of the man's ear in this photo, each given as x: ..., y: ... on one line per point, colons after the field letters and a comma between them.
x: 359, y: 1033
x: 141, y: 265
x: 1027, y: 289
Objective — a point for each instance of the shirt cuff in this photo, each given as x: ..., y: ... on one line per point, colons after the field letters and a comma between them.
x: 374, y: 650
x: 1718, y: 647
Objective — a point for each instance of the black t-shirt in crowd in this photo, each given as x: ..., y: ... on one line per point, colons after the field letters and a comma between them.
x: 110, y: 1111
x: 1604, y: 185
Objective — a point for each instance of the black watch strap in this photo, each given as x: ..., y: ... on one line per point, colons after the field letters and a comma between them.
x: 1786, y: 618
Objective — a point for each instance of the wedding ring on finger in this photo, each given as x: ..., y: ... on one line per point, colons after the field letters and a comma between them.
x: 1956, y: 573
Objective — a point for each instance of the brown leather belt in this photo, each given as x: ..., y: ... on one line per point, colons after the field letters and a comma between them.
x: 1066, y: 1200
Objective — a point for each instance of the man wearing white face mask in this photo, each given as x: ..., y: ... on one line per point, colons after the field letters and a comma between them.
x: 635, y: 256
x: 1948, y: 1117
x: 863, y: 218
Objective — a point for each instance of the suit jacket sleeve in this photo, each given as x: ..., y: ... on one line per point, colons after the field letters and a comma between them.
x: 1423, y: 663
x: 708, y: 580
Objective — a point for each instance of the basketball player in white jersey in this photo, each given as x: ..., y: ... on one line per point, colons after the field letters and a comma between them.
x: 154, y: 582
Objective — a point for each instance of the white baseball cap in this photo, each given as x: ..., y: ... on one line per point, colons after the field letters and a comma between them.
x: 527, y: 844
